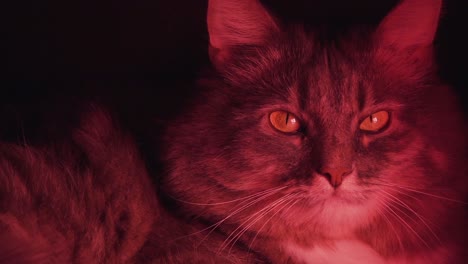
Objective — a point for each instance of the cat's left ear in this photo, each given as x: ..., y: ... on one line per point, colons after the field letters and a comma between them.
x: 235, y: 23
x: 411, y: 23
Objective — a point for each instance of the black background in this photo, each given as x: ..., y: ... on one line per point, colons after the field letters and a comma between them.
x: 142, y: 56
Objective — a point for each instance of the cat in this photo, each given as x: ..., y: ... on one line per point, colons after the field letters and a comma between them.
x: 297, y: 149
x: 313, y: 151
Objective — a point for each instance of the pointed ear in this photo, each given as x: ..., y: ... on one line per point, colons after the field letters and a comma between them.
x: 411, y: 23
x: 237, y: 22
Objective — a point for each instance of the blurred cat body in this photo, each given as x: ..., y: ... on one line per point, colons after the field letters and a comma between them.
x: 238, y: 187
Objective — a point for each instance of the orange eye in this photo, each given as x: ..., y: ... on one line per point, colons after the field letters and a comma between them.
x: 284, y: 121
x: 375, y: 122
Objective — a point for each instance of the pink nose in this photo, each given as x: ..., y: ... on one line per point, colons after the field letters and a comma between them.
x: 335, y: 175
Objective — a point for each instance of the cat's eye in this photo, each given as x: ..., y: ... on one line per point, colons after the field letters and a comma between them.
x: 284, y: 121
x: 375, y: 122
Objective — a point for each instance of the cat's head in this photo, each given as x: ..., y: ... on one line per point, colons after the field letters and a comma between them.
x: 296, y: 136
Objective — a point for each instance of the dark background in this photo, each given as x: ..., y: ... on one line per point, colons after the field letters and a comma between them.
x: 141, y: 57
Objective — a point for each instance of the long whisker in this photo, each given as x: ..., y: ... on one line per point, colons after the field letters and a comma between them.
x: 405, y: 193
x: 285, y: 203
x: 226, y: 202
x: 389, y: 207
x: 403, y: 204
x: 383, y: 213
x: 418, y: 191
x: 240, y: 209
x: 243, y: 225
x: 250, y: 199
x: 292, y: 201
x: 393, y: 205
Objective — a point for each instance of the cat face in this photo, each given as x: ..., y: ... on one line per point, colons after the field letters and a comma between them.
x: 297, y: 136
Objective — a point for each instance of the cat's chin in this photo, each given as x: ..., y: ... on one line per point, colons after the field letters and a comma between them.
x: 340, y: 219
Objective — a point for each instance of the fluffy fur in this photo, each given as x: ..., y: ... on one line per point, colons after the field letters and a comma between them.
x: 234, y: 189
x: 264, y: 189
x: 88, y: 200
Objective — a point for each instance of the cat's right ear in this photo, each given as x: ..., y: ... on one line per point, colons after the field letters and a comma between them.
x: 411, y: 23
x: 234, y: 23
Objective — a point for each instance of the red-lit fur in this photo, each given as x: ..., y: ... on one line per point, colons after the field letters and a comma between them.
x: 331, y: 86
x: 85, y: 201
x: 235, y: 190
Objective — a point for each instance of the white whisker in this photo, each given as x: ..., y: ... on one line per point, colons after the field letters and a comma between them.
x: 258, y: 215
x: 227, y: 202
x: 253, y: 201
x: 292, y: 199
x: 383, y: 213
x: 250, y: 200
x: 418, y: 191
x: 389, y: 207
x: 403, y: 204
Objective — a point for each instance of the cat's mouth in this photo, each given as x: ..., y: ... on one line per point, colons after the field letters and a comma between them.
x: 348, y: 197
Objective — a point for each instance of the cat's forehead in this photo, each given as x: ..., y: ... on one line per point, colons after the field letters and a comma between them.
x: 332, y: 76
x: 304, y: 73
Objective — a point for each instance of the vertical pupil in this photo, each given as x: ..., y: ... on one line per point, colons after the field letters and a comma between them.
x: 287, y: 118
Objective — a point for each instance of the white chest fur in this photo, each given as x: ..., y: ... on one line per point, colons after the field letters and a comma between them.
x: 341, y: 251
x: 350, y: 251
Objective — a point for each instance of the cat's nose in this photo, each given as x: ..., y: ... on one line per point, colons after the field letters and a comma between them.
x: 335, y: 174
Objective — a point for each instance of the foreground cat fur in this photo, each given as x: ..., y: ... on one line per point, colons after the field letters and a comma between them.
x: 240, y: 188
